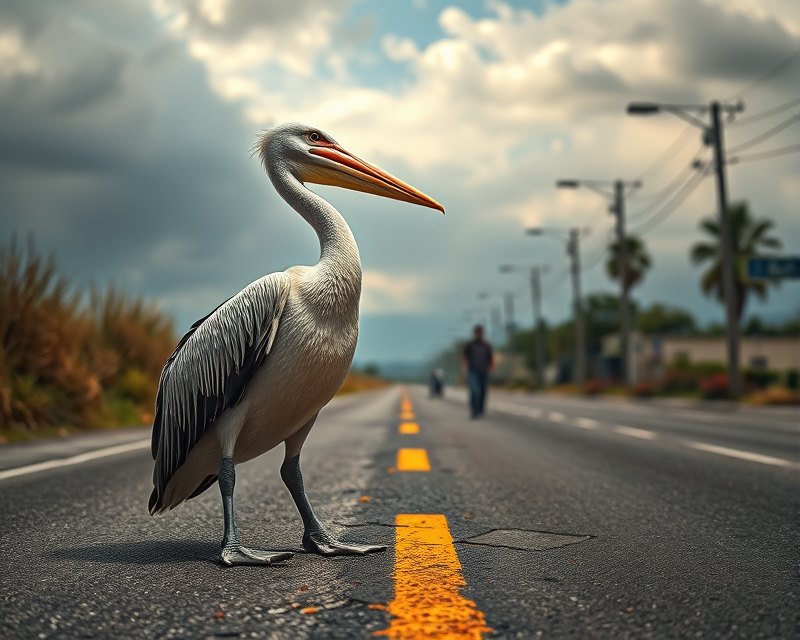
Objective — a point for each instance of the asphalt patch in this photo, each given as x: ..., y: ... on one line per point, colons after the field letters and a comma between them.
x: 525, y: 540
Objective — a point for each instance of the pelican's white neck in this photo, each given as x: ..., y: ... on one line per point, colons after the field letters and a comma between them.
x: 339, y: 263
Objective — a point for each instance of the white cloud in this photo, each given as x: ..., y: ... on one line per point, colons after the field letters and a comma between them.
x: 386, y: 293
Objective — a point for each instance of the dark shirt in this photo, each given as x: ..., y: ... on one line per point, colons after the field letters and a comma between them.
x: 478, y: 354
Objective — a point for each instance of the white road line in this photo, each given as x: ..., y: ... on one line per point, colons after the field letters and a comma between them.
x: 742, y: 455
x: 510, y: 408
x: 635, y: 433
x: 703, y: 417
x: 556, y: 417
x: 518, y: 410
x: 586, y: 423
x: 78, y: 459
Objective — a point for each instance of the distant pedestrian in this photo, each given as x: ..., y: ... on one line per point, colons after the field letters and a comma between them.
x: 478, y: 363
x: 436, y: 383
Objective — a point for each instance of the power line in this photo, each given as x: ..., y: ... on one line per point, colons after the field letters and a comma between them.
x: 766, y: 135
x: 741, y: 122
x: 672, y: 150
x: 769, y: 74
x: 603, y: 207
x: 557, y: 280
x: 670, y: 207
x: 667, y: 192
x: 599, y: 249
x: 764, y: 155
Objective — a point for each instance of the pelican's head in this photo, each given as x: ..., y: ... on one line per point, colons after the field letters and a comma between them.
x: 313, y: 156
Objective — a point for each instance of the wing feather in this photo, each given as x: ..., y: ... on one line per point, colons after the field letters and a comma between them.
x: 208, y: 372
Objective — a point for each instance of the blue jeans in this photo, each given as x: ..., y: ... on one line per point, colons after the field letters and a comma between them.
x: 478, y: 381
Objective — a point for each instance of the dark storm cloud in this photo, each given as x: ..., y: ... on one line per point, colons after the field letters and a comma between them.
x: 711, y: 42
x: 116, y: 154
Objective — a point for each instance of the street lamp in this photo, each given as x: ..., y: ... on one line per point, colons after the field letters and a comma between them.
x: 497, y: 322
x: 572, y: 244
x: 713, y: 135
x: 536, y: 300
x: 617, y: 196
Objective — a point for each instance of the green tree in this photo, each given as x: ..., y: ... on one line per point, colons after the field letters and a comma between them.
x: 750, y: 238
x: 660, y: 319
x: 638, y: 261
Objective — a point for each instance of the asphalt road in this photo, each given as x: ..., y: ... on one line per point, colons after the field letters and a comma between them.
x: 653, y: 521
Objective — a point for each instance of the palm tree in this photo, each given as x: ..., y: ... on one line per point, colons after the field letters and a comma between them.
x: 750, y: 237
x: 638, y: 261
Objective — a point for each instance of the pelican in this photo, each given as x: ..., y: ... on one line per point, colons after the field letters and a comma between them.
x: 256, y: 371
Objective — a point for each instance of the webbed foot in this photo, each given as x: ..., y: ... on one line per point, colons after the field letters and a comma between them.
x: 239, y: 555
x: 322, y: 543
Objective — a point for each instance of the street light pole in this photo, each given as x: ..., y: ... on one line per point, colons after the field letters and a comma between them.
x: 573, y: 250
x: 618, y: 209
x: 508, y: 304
x: 536, y: 305
x: 536, y: 297
x: 715, y: 135
x: 497, y: 323
x: 624, y: 305
x: 728, y: 273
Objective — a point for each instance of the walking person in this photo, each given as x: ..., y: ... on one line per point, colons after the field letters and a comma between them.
x: 478, y: 362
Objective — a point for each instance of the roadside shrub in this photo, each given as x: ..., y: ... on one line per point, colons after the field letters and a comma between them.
x: 776, y: 396
x: 793, y: 379
x: 643, y: 389
x: 680, y: 381
x: 357, y: 382
x: 594, y: 387
x: 706, y: 369
x: 760, y: 378
x: 714, y: 387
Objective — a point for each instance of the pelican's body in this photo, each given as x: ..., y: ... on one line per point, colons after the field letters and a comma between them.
x: 283, y: 395
x: 257, y: 370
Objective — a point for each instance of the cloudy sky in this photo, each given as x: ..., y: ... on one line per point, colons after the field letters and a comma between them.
x: 125, y: 130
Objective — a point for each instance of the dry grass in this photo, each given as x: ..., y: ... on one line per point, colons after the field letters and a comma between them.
x: 71, y: 359
x: 358, y: 382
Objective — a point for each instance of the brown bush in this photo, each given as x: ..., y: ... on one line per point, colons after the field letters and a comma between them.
x: 59, y: 357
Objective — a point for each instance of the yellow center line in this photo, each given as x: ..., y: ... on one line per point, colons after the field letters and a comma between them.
x: 427, y: 581
x: 409, y: 427
x: 406, y: 415
x: 413, y: 460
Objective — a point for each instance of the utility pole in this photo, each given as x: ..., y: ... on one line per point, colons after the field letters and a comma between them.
x: 536, y: 297
x: 728, y: 273
x: 497, y: 324
x: 617, y: 198
x: 508, y: 304
x: 624, y: 305
x: 714, y: 136
x: 573, y: 250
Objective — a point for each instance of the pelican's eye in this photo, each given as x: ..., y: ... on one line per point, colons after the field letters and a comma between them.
x: 314, y: 137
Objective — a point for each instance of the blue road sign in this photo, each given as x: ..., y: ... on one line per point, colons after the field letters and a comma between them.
x: 785, y: 267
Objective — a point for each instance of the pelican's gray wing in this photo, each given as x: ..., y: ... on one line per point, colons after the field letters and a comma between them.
x: 208, y: 373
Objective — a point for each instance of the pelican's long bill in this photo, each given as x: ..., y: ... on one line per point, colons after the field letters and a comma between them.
x: 351, y: 172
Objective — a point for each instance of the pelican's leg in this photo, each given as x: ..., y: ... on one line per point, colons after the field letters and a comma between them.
x: 316, y: 538
x: 233, y: 552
